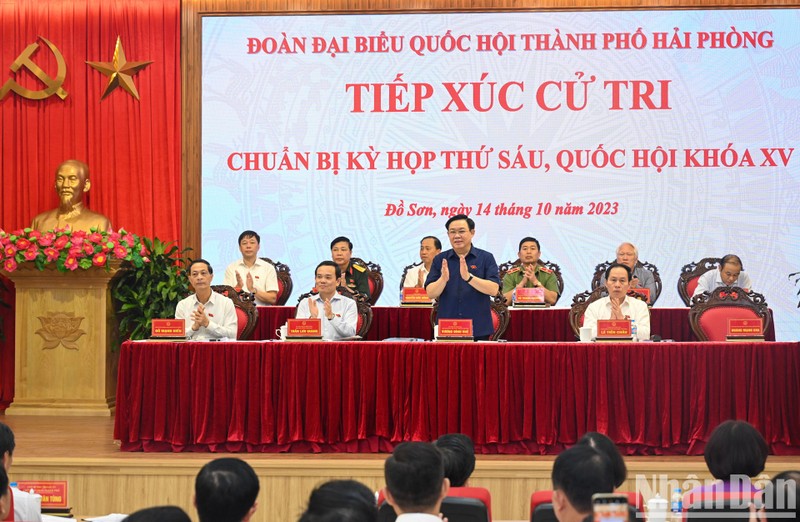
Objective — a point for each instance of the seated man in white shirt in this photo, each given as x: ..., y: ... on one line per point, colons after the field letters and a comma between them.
x: 208, y: 315
x: 619, y: 305
x: 730, y: 273
x: 415, y: 482
x: 429, y: 247
x: 27, y: 507
x: 251, y: 273
x: 339, y: 314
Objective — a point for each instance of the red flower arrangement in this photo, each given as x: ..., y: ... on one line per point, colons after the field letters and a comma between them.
x: 67, y: 249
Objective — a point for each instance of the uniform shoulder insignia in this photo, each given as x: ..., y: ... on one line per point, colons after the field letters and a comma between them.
x: 545, y: 269
x: 515, y: 269
x: 360, y: 268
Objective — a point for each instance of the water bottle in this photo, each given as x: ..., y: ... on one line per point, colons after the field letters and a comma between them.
x: 633, y: 329
x: 676, y: 505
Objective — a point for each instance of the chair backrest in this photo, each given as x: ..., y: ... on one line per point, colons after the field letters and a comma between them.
x: 718, y: 505
x: 405, y: 272
x: 687, y: 281
x: 374, y: 276
x: 363, y: 308
x: 600, y: 270
x: 285, y: 284
x: 542, y: 506
x: 709, y: 313
x: 508, y: 265
x: 465, y: 504
x: 500, y: 316
x: 580, y: 303
x: 246, y: 311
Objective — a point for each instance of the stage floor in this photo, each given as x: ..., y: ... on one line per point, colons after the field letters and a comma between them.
x: 102, y: 479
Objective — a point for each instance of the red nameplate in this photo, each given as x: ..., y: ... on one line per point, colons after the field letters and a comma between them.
x: 614, y: 328
x: 461, y: 328
x: 745, y: 327
x: 530, y: 296
x: 168, y: 328
x: 304, y: 328
x: 53, y: 492
x: 643, y: 291
x: 415, y: 296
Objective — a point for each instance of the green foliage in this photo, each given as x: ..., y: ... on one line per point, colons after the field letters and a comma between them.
x: 150, y: 288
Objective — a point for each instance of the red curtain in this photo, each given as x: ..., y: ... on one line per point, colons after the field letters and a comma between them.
x: 133, y: 148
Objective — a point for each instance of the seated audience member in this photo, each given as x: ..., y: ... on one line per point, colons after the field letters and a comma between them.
x: 530, y: 274
x: 730, y: 273
x: 734, y: 453
x: 26, y: 506
x: 159, y: 514
x: 429, y: 247
x: 458, y: 456
x: 208, y: 315
x: 341, y: 501
x: 339, y: 314
x: 225, y: 490
x: 779, y: 498
x: 5, y: 496
x: 606, y: 446
x: 578, y: 473
x: 619, y: 305
x: 415, y: 482
x: 628, y: 255
x: 353, y: 277
x: 252, y: 274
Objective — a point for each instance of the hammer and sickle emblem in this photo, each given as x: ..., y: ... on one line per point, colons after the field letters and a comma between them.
x: 53, y: 84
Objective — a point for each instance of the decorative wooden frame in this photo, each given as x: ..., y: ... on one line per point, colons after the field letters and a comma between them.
x: 244, y: 302
x: 285, y: 278
x: 374, y: 274
x: 727, y: 297
x: 405, y: 272
x: 694, y: 270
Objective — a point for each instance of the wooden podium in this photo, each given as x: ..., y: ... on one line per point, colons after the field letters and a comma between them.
x: 64, y: 330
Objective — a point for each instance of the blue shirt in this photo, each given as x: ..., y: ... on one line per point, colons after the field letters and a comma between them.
x: 459, y: 300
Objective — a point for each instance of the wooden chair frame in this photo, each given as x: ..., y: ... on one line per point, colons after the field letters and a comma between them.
x: 691, y: 271
x: 285, y: 277
x: 244, y: 302
x: 729, y: 297
x: 375, y: 275
x: 600, y: 270
x: 364, y: 309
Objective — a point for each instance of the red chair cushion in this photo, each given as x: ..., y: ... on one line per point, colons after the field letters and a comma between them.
x: 371, y: 286
x: 691, y: 286
x: 495, y: 320
x: 714, y: 321
x: 281, y: 289
x: 241, y: 322
x: 481, y: 494
x: 359, y: 322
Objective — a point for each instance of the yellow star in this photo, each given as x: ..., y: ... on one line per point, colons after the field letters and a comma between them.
x: 119, y: 71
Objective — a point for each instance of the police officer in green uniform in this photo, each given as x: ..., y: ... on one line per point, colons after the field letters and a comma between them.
x: 354, y: 277
x: 530, y: 274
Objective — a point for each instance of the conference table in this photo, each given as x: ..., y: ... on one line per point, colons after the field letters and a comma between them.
x: 511, y: 398
x: 525, y: 325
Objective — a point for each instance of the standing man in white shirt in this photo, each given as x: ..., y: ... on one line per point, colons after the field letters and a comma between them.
x: 619, y: 305
x: 339, y: 314
x: 730, y: 273
x: 208, y: 315
x: 27, y: 507
x: 251, y: 273
x: 429, y: 247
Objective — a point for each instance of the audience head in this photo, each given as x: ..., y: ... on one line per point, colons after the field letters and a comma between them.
x: 429, y: 247
x: 628, y: 255
x: 458, y: 457
x: 578, y: 473
x: 529, y: 250
x: 341, y: 251
x: 729, y: 269
x: 606, y: 446
x: 415, y: 480
x: 7, y: 446
x: 780, y: 497
x: 341, y: 501
x: 225, y: 490
x: 159, y: 514
x: 618, y: 280
x: 5, y: 495
x: 735, y: 448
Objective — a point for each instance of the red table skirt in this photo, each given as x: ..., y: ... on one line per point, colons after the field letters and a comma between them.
x: 650, y: 398
x: 549, y: 324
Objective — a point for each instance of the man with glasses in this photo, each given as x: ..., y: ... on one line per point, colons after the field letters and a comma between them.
x: 464, y: 278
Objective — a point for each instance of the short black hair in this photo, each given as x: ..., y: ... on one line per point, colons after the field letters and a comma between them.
x: 195, y: 261
x: 735, y: 447
x: 605, y: 445
x: 4, y: 489
x: 781, y: 495
x: 459, y: 217
x: 341, y: 501
x: 225, y: 490
x: 414, y: 475
x: 159, y: 514
x: 329, y: 263
x: 7, y: 443
x: 580, y: 472
x: 619, y: 265
x: 436, y: 242
x: 249, y: 233
x: 342, y: 239
x: 458, y: 457
x: 529, y: 240
x: 731, y: 259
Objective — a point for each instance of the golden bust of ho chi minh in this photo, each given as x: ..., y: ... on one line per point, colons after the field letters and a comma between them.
x: 72, y: 181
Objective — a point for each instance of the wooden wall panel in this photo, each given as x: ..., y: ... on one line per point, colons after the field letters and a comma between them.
x: 193, y: 10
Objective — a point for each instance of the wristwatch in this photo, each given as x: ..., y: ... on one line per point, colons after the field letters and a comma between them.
x: 471, y: 277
